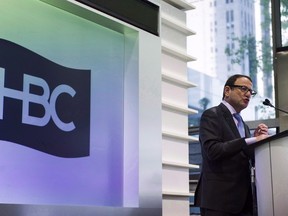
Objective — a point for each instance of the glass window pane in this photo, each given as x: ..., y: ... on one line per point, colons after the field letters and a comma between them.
x: 243, y: 41
x: 284, y: 21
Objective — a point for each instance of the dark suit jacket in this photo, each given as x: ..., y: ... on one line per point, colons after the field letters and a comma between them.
x: 224, y: 183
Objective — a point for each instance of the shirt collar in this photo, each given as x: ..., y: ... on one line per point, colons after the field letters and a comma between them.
x: 230, y: 108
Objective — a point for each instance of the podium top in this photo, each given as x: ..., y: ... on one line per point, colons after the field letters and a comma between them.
x: 271, y: 138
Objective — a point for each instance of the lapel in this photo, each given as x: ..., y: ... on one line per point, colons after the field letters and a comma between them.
x: 230, y: 121
x: 247, y: 131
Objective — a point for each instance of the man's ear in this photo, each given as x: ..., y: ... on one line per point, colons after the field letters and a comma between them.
x: 227, y: 90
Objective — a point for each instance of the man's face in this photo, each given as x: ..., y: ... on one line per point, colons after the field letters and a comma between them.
x: 239, y: 97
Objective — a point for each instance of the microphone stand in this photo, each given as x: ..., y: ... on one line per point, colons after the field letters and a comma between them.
x: 280, y: 110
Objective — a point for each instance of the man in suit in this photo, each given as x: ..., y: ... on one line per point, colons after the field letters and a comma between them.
x: 224, y: 187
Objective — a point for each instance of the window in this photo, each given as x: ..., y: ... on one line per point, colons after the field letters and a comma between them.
x: 227, y: 17
x: 232, y: 15
x: 242, y: 45
x: 281, y: 24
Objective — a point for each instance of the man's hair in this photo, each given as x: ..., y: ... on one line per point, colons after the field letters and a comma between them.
x: 231, y: 81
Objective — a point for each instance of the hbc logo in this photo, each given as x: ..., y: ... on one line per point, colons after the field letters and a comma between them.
x: 43, y: 105
x: 26, y: 97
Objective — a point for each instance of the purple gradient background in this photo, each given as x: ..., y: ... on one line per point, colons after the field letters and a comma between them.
x: 28, y: 176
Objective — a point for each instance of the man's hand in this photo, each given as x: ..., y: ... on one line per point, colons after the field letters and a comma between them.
x: 261, y: 132
x: 261, y: 137
x: 261, y: 129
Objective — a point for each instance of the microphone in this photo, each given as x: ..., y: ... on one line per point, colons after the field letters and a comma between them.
x: 268, y: 103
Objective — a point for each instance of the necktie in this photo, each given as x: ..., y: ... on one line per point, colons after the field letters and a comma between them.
x: 240, y: 124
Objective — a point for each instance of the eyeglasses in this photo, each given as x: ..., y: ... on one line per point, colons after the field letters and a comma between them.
x: 244, y: 89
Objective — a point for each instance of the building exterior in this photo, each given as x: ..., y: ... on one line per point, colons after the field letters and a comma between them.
x: 225, y: 44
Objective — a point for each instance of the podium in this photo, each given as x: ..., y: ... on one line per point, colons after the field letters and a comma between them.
x: 271, y: 172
